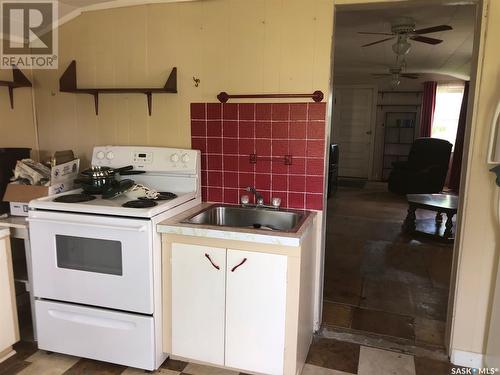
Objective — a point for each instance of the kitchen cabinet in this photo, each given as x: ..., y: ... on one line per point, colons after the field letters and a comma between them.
x: 255, y: 311
x: 9, y: 329
x: 198, y: 302
x: 242, y: 305
x: 228, y: 312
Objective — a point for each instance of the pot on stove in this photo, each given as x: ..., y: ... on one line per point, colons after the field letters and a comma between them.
x: 99, y: 180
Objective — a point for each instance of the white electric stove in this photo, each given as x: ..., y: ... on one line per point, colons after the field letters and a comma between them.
x: 97, y: 265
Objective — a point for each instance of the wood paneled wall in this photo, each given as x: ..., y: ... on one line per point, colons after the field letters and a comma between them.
x: 234, y: 46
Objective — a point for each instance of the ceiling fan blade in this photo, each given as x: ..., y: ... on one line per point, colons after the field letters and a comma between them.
x: 424, y: 39
x: 377, y: 42
x: 434, y: 29
x: 370, y: 33
x: 410, y: 75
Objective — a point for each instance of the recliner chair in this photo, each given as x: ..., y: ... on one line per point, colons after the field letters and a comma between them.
x: 426, y: 168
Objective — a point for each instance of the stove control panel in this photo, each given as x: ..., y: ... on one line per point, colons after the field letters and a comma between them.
x: 150, y: 159
x: 143, y: 157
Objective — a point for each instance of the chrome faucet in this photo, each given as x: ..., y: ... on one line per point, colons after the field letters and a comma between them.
x: 259, y: 199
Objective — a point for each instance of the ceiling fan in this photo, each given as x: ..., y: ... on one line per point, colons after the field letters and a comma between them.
x: 404, y: 28
x: 397, y: 71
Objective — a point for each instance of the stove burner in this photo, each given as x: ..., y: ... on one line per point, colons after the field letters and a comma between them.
x: 74, y: 198
x: 162, y: 196
x: 140, y: 203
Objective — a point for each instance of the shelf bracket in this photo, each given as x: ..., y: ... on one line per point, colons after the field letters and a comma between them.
x: 171, y: 84
x: 11, y: 96
x: 18, y: 80
x: 149, y: 98
x: 96, y: 103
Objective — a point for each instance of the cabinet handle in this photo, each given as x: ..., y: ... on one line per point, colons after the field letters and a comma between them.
x: 239, y: 264
x: 213, y: 264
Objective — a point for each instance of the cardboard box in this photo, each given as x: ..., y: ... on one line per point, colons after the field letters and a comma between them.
x: 62, y: 177
x: 63, y: 172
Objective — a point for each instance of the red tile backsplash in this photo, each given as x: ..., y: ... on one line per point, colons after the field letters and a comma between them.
x: 280, y: 111
x: 214, y: 145
x: 228, y: 133
x: 263, y: 130
x: 263, y: 111
x: 246, y: 111
x: 247, y: 129
x: 230, y: 111
x: 214, y: 110
x: 214, y: 128
x: 198, y: 111
x: 298, y: 111
x: 198, y: 128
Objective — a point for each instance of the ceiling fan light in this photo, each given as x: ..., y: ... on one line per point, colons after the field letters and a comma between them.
x: 401, y: 48
x: 395, y: 82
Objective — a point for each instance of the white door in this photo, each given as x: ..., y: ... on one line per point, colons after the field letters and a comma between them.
x: 93, y: 260
x: 9, y: 330
x: 198, y: 300
x: 493, y: 347
x: 255, y: 311
x: 352, y: 130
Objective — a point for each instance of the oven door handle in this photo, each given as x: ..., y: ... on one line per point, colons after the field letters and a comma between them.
x: 141, y: 228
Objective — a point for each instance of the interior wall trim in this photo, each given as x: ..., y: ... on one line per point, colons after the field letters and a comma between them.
x: 467, y: 359
x: 113, y: 4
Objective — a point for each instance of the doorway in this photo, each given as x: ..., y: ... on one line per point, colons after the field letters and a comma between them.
x: 381, y: 284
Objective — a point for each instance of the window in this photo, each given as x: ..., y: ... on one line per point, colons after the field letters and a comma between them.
x: 447, y: 111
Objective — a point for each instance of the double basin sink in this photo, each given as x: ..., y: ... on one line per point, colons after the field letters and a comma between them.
x: 261, y: 218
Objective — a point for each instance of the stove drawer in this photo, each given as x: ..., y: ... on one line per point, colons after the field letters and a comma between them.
x: 116, y: 337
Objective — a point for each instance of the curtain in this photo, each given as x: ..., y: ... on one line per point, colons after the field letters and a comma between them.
x: 456, y: 165
x: 428, y: 105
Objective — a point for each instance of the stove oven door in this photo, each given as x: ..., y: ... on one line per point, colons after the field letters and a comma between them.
x: 93, y: 260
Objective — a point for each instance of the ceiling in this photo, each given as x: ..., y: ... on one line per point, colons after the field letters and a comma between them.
x: 449, y: 60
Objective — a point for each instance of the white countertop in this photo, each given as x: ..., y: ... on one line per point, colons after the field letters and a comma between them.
x: 14, y: 222
x: 174, y: 225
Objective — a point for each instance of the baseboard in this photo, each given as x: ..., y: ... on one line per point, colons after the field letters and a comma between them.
x: 467, y: 359
x: 7, y: 353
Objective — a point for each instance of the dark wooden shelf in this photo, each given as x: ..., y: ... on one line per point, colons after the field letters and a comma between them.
x: 18, y: 80
x: 68, y: 83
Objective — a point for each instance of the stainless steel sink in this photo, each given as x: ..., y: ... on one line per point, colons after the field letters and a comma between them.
x: 249, y: 217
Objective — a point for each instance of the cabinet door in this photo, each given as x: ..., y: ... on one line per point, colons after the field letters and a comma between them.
x: 198, y: 302
x: 255, y: 311
x: 9, y: 330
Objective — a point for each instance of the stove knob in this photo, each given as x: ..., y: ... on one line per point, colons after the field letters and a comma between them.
x: 174, y: 158
x: 110, y: 155
x: 185, y: 158
x: 100, y: 155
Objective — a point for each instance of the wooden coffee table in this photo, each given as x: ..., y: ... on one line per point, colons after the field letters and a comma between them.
x: 440, y: 203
